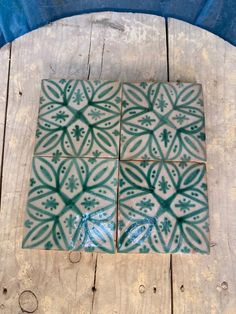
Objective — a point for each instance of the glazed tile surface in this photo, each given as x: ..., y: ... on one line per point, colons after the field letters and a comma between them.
x: 79, y: 118
x: 162, y: 207
x: 92, y: 135
x: 162, y: 121
x: 72, y: 204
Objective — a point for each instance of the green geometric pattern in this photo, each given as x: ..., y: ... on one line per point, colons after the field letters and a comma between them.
x: 162, y: 207
x: 72, y: 204
x: 162, y: 121
x: 146, y: 138
x: 79, y: 118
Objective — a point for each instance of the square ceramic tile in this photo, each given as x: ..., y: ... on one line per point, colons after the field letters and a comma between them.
x: 79, y: 118
x: 72, y: 204
x: 163, y: 207
x: 163, y: 121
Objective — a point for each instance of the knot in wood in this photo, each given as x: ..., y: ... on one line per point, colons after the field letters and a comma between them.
x: 141, y: 289
x: 224, y: 285
x: 28, y: 301
x: 74, y: 257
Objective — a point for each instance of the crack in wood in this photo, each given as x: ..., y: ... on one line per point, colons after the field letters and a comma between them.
x: 89, y: 52
x: 5, y: 123
x: 94, y: 282
x: 103, y: 47
x: 171, y: 285
x: 167, y: 50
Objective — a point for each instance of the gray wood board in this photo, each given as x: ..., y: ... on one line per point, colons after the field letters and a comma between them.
x: 105, y: 45
x: 207, y: 284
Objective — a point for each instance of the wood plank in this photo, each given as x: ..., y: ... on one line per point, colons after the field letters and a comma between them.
x: 49, y: 278
x: 132, y: 47
x: 207, y: 284
x: 109, y: 46
x: 4, y: 67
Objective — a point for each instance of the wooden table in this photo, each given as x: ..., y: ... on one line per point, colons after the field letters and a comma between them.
x: 130, y: 47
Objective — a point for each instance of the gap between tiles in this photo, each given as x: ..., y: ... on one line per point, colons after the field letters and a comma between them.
x: 74, y: 157
x: 167, y: 161
x: 114, y: 158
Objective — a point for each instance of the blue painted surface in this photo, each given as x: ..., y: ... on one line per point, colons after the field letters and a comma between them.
x: 18, y: 17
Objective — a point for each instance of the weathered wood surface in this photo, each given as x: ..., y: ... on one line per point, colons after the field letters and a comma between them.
x: 59, y: 285
x: 207, y: 284
x: 108, y: 46
x: 126, y: 47
x: 129, y: 46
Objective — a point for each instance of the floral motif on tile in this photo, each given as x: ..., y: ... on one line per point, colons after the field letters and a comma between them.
x: 72, y: 204
x: 163, y: 207
x: 163, y: 121
x: 79, y: 118
x: 153, y: 134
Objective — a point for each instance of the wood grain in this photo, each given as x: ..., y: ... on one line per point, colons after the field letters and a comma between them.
x: 126, y: 47
x: 207, y: 284
x: 108, y: 46
x: 59, y: 285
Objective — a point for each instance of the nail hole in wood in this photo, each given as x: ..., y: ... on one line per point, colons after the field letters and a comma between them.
x: 182, y: 288
x: 4, y: 291
x: 154, y: 290
x: 74, y: 257
x: 28, y: 301
x: 224, y: 285
x: 20, y: 93
x: 141, y: 289
x: 94, y: 289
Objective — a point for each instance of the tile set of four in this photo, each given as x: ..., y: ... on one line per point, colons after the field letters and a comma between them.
x: 119, y: 166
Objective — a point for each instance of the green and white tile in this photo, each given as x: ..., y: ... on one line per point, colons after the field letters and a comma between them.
x: 72, y: 204
x: 162, y: 121
x: 79, y: 118
x: 163, y: 207
x: 162, y: 196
